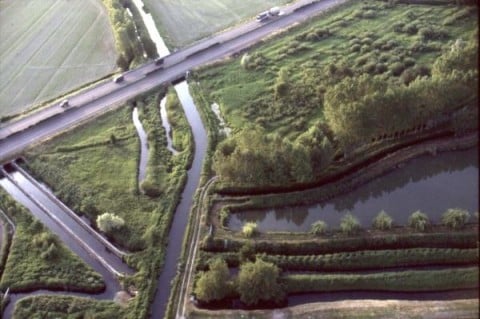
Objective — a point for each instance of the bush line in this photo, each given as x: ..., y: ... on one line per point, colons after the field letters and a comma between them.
x: 407, y: 281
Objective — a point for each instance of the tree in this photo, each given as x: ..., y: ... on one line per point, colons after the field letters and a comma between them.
x: 88, y: 205
x: 455, y: 218
x: 109, y: 222
x: 282, y: 84
x: 259, y: 281
x: 113, y: 139
x: 349, y: 225
x: 249, y: 229
x: 319, y: 228
x: 382, y: 221
x: 418, y: 221
x: 214, y: 284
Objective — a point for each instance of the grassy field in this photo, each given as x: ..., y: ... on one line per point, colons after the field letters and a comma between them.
x: 50, y: 47
x: 358, y: 38
x: 101, y: 177
x: 66, y: 307
x: 182, y: 22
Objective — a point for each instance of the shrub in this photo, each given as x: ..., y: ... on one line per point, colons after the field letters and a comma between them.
x: 382, y: 221
x: 349, y: 225
x: 365, y: 48
x: 319, y: 228
x: 455, y: 218
x: 409, y: 62
x: 410, y: 28
x: 361, y: 61
x: 369, y: 14
x: 381, y: 68
x: 384, y: 57
x: 259, y: 281
x: 408, y: 76
x: 429, y: 33
x: 214, y: 284
x: 397, y: 68
x: 398, y: 27
x: 150, y: 189
x: 370, y: 68
x: 418, y: 221
x: 224, y: 216
x: 109, y: 222
x: 355, y: 48
x: 249, y: 229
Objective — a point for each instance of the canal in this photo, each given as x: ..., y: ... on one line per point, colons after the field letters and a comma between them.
x: 430, y: 184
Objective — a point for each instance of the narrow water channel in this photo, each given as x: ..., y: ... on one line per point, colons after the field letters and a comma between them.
x: 430, y: 184
x: 142, y: 166
x: 181, y: 214
x: 180, y: 219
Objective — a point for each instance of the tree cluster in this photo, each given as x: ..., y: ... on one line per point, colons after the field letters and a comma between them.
x: 256, y: 282
x: 131, y: 41
x: 253, y: 157
x: 363, y: 108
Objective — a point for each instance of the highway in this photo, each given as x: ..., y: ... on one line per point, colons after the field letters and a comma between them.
x: 31, y: 129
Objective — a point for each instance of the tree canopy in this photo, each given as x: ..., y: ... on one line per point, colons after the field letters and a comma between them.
x: 213, y: 284
x: 259, y: 281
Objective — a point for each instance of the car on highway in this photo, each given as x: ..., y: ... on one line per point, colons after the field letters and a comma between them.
x: 65, y: 103
x: 118, y: 78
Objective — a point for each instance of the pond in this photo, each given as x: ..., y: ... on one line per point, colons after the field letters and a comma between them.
x: 430, y: 184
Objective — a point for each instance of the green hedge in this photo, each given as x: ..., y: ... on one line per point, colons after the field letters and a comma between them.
x: 407, y: 281
x: 372, y: 259
x: 464, y: 239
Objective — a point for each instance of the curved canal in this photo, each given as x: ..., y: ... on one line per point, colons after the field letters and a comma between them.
x: 429, y: 184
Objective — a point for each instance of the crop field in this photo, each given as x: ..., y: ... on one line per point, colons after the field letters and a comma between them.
x: 182, y: 22
x: 49, y: 47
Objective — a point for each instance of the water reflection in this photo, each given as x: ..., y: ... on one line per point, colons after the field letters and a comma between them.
x: 142, y: 166
x: 430, y: 184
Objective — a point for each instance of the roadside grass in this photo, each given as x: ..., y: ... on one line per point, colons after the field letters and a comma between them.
x: 38, y: 260
x: 66, y: 307
x: 182, y: 22
x: 50, y: 47
x: 343, y: 39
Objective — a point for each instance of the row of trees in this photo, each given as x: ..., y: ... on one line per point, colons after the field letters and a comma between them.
x: 453, y: 218
x: 256, y: 282
x: 254, y: 158
x: 132, y: 42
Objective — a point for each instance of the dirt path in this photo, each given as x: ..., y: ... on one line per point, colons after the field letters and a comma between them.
x: 356, y: 309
